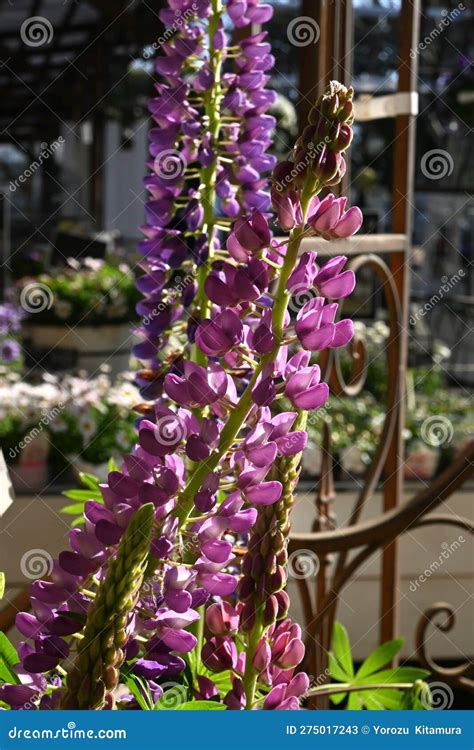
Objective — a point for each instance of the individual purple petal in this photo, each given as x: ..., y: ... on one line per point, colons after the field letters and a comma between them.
x: 217, y: 550
x: 220, y: 584
x: 344, y: 333
x: 266, y: 493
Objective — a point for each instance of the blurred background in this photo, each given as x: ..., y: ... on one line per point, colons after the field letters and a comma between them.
x: 75, y: 78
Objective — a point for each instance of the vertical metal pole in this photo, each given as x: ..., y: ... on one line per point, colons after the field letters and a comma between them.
x: 404, y: 160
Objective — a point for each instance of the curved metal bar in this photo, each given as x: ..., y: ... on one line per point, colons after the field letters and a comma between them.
x: 389, y: 525
x: 444, y: 519
x: 380, y: 267
x: 455, y: 676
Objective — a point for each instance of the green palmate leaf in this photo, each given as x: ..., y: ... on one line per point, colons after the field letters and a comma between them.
x: 172, y: 699
x: 341, y: 648
x: 416, y: 699
x: 371, y: 673
x: 388, y: 676
x: 201, y: 706
x: 73, y: 510
x: 355, y: 702
x: 380, y: 657
x: 336, y: 671
x: 386, y: 699
x: 2, y: 585
x: 8, y: 660
x: 89, y: 480
x: 372, y: 703
x: 83, y: 495
x: 112, y: 465
x: 222, y: 681
x: 338, y: 698
x: 143, y: 695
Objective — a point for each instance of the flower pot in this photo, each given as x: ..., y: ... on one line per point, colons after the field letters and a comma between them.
x: 31, y: 472
x: 30, y: 476
x: 420, y: 462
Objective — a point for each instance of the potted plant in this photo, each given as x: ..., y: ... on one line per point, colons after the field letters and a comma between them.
x: 81, y: 313
x: 96, y: 424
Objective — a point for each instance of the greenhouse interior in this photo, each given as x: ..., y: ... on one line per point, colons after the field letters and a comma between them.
x: 236, y: 356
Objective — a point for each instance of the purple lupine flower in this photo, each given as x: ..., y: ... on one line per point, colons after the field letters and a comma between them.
x: 330, y: 219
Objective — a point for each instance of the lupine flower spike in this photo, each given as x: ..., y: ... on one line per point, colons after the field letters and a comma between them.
x: 215, y: 464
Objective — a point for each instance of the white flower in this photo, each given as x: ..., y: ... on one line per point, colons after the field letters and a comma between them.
x: 95, y: 264
x: 122, y: 439
x: 87, y: 426
x: 58, y: 425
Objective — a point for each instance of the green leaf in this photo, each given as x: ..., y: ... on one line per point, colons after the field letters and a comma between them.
x: 201, y: 706
x: 354, y: 703
x: 380, y: 657
x: 112, y: 465
x: 89, y: 480
x: 83, y: 495
x: 73, y: 510
x: 388, y: 699
x: 335, y: 670
x: 8, y: 660
x: 338, y: 698
x: 222, y: 681
x: 341, y: 649
x: 389, y: 676
x: 371, y: 703
x: 416, y: 699
x: 131, y: 682
x: 173, y: 698
x: 2, y: 585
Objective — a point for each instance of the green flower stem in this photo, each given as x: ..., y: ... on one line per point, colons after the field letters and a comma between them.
x: 239, y: 414
x: 250, y: 676
x: 212, y: 107
x: 100, y: 654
